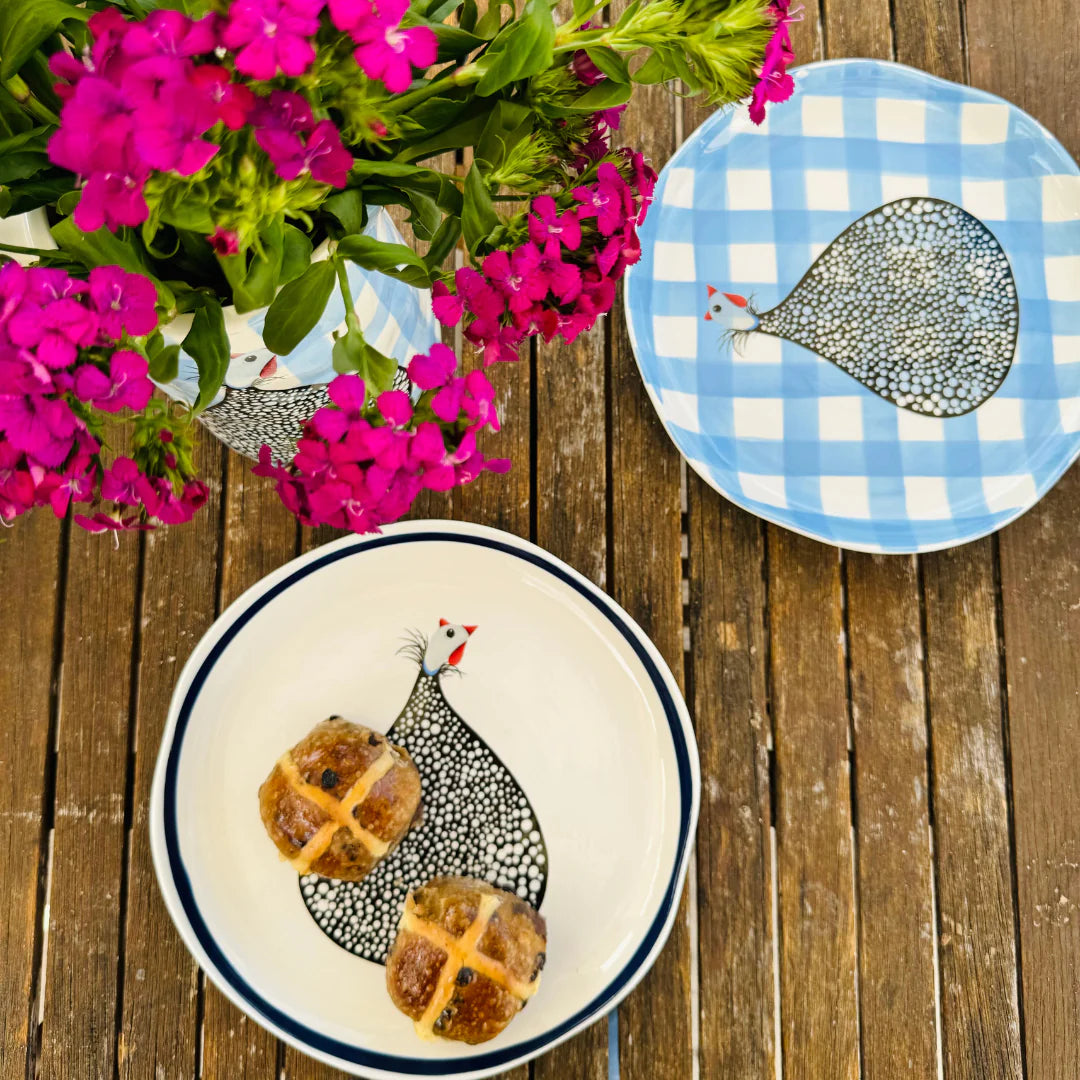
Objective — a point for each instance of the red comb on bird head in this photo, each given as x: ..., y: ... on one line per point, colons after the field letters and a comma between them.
x: 712, y: 291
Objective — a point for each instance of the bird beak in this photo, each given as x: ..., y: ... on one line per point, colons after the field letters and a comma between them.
x: 470, y: 630
x: 708, y: 316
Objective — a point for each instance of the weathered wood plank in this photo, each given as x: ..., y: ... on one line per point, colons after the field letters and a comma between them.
x: 893, y: 851
x: 158, y: 1029
x: 655, y: 1026
x: 1026, y: 55
x: 736, y: 956
x: 814, y: 858
x: 1040, y: 586
x: 79, y: 1028
x: 259, y: 536
x: 979, y: 1009
x: 980, y: 1026
x: 30, y: 571
x: 571, y: 523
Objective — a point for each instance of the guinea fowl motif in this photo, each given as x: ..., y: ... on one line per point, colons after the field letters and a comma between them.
x: 915, y: 300
x: 477, y: 822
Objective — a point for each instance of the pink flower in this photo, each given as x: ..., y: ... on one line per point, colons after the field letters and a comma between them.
x: 272, y: 36
x: 232, y: 102
x: 384, y: 51
x: 324, y: 156
x: 347, y: 14
x: 123, y: 301
x: 102, y: 522
x: 349, y: 394
x: 55, y: 331
x: 395, y: 407
x: 224, y: 241
x: 446, y: 306
x: 17, y: 488
x: 111, y: 200
x: 564, y: 279
x: 76, y: 482
x: 168, y: 136
x: 434, y: 368
x: 283, y: 111
x: 774, y: 83
x: 606, y: 200
x: 517, y: 275
x: 39, y: 426
x: 545, y: 222
x: 120, y: 483
x: 125, y: 386
x: 585, y: 71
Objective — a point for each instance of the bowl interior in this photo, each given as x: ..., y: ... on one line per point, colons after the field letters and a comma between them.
x: 550, y: 684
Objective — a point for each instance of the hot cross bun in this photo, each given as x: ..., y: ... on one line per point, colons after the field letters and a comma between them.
x: 466, y: 959
x: 340, y: 800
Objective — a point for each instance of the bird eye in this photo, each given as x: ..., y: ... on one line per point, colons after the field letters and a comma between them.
x: 716, y: 307
x: 450, y: 632
x: 250, y: 359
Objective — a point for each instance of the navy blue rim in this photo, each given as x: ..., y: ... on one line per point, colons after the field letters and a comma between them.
x: 334, y: 1047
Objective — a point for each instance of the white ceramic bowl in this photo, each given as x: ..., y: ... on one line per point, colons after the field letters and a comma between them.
x: 559, y: 682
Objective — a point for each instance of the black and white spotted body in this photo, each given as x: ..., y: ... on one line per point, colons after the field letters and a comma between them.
x: 247, y: 418
x: 916, y: 300
x: 477, y: 822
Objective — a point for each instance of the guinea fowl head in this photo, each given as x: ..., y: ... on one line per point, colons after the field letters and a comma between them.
x: 446, y: 646
x: 730, y: 310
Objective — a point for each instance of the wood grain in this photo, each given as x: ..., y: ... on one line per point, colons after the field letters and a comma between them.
x: 736, y: 950
x: 655, y: 1039
x: 980, y: 1026
x: 1040, y: 591
x: 259, y: 536
x: 893, y: 851
x: 79, y: 1028
x: 179, y: 601
x: 30, y: 571
x: 1039, y: 588
x: 571, y: 523
x: 814, y: 858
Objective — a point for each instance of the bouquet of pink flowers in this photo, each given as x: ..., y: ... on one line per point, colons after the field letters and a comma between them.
x: 191, y: 156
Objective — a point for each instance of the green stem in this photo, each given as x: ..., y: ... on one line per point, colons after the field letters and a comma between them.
x: 470, y: 73
x: 343, y: 284
x: 26, y: 250
x: 568, y: 28
x: 18, y: 89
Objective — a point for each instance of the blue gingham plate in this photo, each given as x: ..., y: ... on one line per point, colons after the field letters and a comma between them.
x: 862, y: 320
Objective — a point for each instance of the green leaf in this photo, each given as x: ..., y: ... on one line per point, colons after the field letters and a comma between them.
x: 490, y: 22
x: 453, y: 138
x: 295, y: 254
x: 478, y: 216
x: 604, y: 95
x: 22, y: 165
x: 207, y: 344
x: 25, y: 24
x: 522, y: 49
x: 610, y: 63
x: 347, y: 208
x: 43, y: 190
x: 260, y: 282
x: 374, y: 254
x: 454, y: 44
x: 654, y: 70
x: 443, y: 242
x: 65, y: 205
x: 165, y: 364
x: 581, y: 7
x: 103, y: 248
x: 352, y: 354
x: 508, y: 124
x: 5, y: 202
x: 298, y: 307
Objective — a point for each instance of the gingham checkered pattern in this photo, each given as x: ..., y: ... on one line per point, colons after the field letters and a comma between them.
x: 785, y: 433
x: 396, y: 319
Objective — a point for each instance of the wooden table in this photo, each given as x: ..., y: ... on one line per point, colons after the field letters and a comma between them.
x: 887, y: 876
